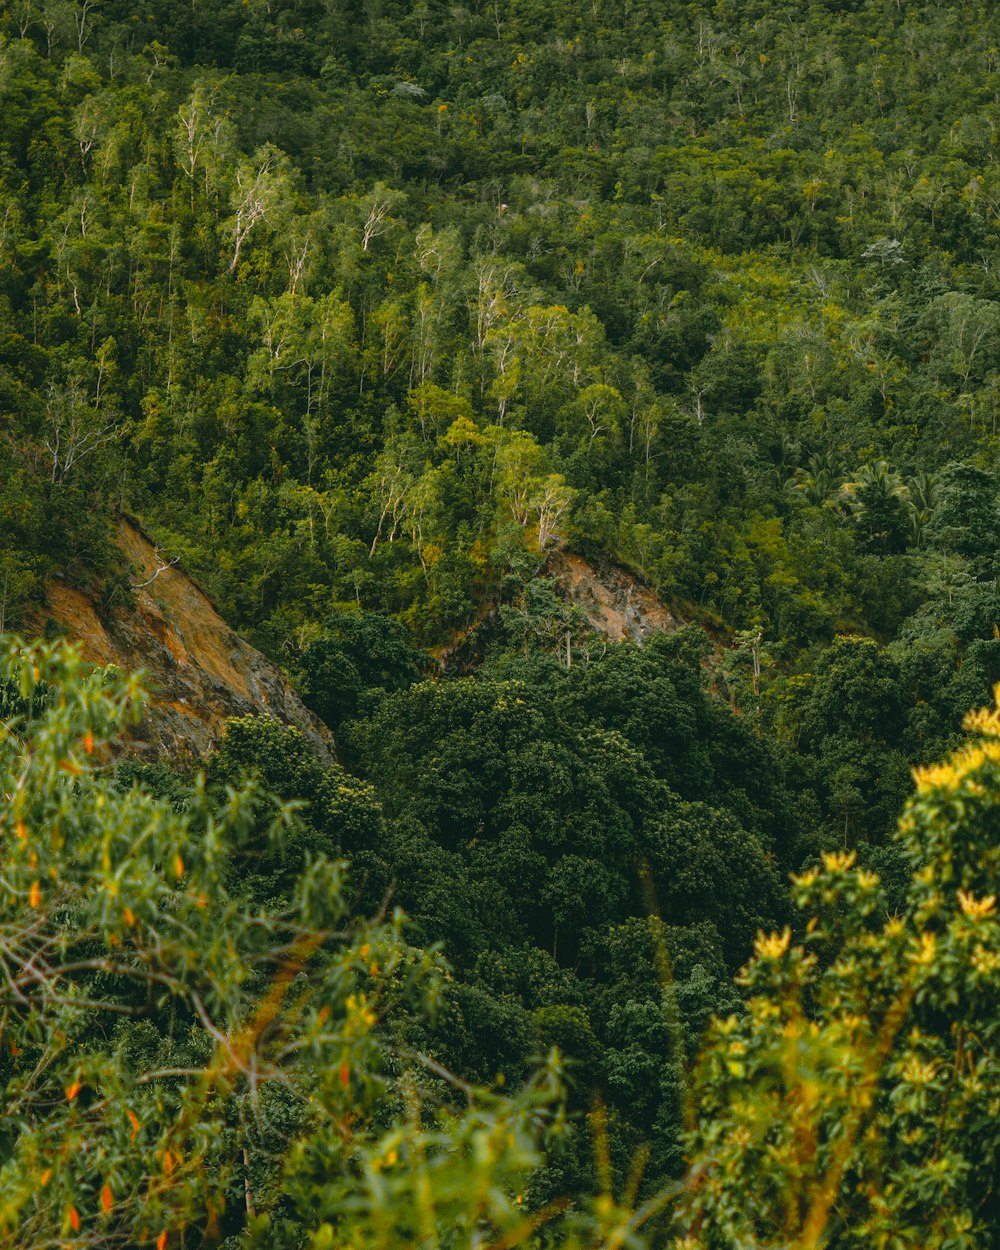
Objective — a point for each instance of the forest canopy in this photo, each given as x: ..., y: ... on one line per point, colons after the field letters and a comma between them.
x: 374, y: 315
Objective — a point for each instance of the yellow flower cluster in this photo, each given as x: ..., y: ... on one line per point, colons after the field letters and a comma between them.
x: 839, y: 861
x: 773, y: 945
x: 360, y: 1016
x: 918, y: 1073
x: 987, y: 720
x: 925, y: 952
x: 985, y: 962
x: 955, y: 772
x: 976, y: 908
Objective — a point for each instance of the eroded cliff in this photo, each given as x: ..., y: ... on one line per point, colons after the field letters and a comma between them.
x: 198, y: 670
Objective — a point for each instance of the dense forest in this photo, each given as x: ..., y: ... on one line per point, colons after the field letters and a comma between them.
x: 368, y: 311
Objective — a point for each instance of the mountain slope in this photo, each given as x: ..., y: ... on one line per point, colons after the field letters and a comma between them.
x: 199, y: 671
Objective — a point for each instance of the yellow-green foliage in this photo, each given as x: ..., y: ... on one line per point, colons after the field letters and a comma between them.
x: 856, y: 1102
x: 176, y: 1064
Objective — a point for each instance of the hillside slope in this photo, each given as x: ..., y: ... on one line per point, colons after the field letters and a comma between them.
x: 613, y: 602
x: 199, y: 671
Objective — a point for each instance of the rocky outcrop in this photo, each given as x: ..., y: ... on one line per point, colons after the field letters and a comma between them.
x: 612, y: 601
x: 199, y: 671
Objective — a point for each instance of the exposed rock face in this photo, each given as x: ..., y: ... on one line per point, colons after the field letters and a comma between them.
x: 198, y: 670
x: 613, y: 602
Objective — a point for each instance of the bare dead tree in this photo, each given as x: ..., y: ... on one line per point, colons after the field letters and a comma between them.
x: 161, y: 567
x: 257, y: 192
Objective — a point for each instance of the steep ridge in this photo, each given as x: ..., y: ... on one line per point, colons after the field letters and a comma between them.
x: 198, y: 670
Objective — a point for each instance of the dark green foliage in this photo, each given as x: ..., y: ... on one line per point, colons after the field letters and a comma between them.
x: 539, y: 822
x: 370, y: 309
x: 339, y: 815
x: 359, y: 652
x: 965, y: 517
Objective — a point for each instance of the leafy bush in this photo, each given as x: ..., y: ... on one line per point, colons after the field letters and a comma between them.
x: 180, y: 1062
x: 854, y: 1102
